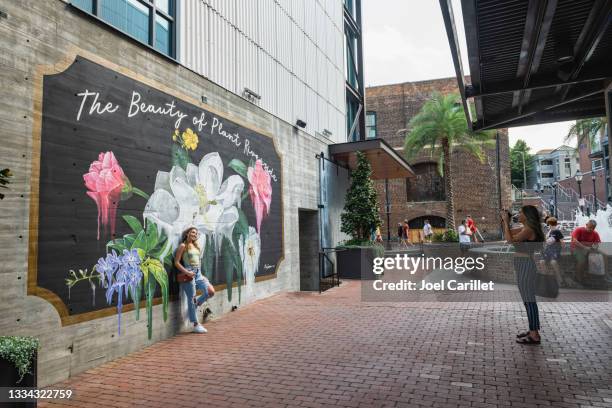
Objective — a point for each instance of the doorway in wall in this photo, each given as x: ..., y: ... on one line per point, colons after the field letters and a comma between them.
x: 309, y: 249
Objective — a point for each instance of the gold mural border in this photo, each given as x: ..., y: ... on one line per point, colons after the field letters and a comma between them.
x: 63, y: 64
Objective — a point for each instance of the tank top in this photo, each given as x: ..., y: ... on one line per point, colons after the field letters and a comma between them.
x: 191, y: 256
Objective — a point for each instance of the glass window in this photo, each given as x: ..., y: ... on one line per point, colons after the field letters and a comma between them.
x: 351, y: 7
x: 595, y: 143
x: 597, y: 164
x: 350, y: 48
x: 428, y: 185
x: 133, y: 17
x: 164, y: 5
x: 162, y: 34
x: 370, y: 125
x: 130, y: 16
x: 86, y: 5
x: 352, y: 107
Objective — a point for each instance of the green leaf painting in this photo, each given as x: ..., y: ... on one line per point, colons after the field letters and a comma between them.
x: 180, y: 156
x: 134, y: 223
x: 239, y: 167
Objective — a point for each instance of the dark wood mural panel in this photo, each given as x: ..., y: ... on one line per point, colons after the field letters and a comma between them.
x: 111, y: 147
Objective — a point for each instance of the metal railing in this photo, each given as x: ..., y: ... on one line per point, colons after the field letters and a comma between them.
x: 327, y: 279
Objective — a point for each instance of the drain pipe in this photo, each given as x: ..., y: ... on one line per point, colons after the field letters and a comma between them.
x: 499, y: 186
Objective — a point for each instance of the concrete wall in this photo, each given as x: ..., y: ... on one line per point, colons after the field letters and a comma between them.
x: 43, y: 33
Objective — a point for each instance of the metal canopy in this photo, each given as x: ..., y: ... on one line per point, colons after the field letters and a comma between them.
x: 533, y: 61
x: 385, y: 161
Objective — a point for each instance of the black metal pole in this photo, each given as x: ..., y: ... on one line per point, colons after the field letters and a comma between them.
x: 387, y: 207
x: 580, y: 194
x: 594, y: 195
x: 499, y: 188
x: 556, y: 212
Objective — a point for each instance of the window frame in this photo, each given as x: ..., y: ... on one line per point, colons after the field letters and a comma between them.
x: 154, y: 11
x: 594, y: 167
x: 368, y: 127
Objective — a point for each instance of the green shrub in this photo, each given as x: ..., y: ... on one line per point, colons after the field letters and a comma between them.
x: 19, y: 351
x: 377, y: 247
x: 438, y: 237
x: 450, y: 235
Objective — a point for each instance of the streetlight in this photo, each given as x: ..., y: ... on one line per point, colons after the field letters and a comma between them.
x: 594, y: 178
x: 554, y: 184
x: 579, y: 181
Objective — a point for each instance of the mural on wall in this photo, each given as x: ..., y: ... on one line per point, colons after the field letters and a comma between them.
x: 125, y: 168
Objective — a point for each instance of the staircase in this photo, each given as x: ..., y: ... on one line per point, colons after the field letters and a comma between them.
x: 567, y: 201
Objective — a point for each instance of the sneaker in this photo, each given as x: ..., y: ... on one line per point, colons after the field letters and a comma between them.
x: 199, y: 329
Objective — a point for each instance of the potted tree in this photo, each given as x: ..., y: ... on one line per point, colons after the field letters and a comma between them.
x: 18, y: 361
x: 359, y: 219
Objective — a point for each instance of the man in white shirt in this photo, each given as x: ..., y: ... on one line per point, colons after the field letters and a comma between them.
x: 464, y: 237
x: 427, y: 231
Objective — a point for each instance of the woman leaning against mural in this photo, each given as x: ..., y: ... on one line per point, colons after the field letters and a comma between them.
x: 187, y: 261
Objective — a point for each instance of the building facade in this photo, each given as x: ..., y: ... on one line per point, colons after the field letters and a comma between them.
x: 127, y: 121
x: 553, y: 165
x: 389, y: 110
x: 593, y: 163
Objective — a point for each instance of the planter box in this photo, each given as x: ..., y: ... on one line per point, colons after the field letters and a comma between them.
x: 9, y: 376
x: 355, y: 263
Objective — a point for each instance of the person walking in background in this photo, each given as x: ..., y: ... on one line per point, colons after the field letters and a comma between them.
x: 464, y: 237
x: 378, y: 237
x: 427, y: 231
x: 526, y: 241
x: 406, y: 234
x: 471, y: 226
x: 400, y: 232
x: 552, y: 249
x: 584, y: 241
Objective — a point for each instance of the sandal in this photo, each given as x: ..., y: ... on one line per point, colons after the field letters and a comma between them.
x: 528, y: 340
x: 523, y: 334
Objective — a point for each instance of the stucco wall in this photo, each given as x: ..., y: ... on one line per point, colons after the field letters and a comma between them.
x: 45, y: 33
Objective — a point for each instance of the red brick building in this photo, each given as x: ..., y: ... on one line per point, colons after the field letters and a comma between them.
x: 476, y: 186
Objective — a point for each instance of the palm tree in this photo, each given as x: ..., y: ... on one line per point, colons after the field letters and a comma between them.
x: 584, y: 130
x: 441, y: 126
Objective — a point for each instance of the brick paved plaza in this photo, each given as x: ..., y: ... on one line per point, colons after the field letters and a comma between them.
x: 311, y: 350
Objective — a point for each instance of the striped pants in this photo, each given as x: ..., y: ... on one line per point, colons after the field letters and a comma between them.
x: 526, y: 269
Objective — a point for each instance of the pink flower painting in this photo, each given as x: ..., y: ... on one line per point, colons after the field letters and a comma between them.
x: 260, y: 191
x: 105, y: 181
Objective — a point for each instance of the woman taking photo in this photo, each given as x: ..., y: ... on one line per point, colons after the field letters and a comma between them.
x: 526, y: 241
x: 187, y: 261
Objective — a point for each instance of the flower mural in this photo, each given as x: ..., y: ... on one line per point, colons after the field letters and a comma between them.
x: 120, y: 275
x: 198, y: 197
x: 187, y: 195
x: 211, y: 175
x: 188, y: 140
x: 105, y: 180
x: 250, y: 249
x: 260, y: 190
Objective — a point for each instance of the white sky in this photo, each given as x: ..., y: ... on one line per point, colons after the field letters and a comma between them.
x: 405, y: 40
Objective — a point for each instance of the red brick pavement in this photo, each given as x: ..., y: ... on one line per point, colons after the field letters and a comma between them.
x: 311, y: 350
